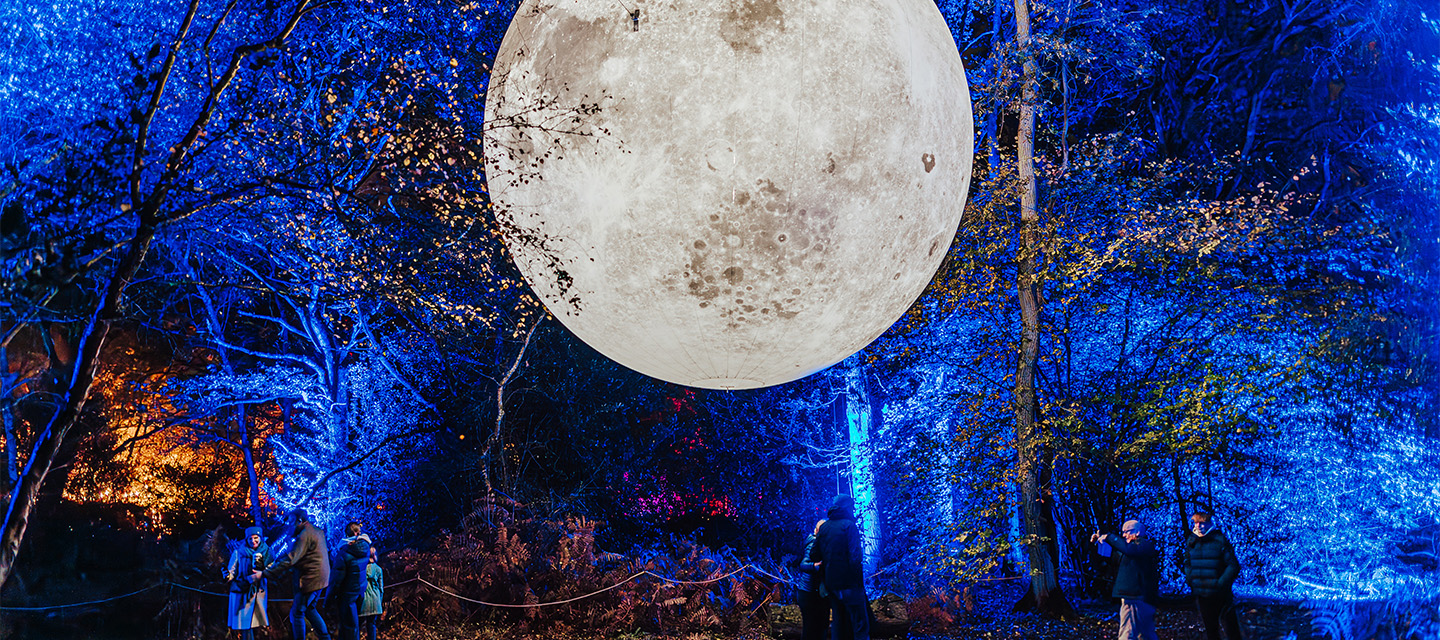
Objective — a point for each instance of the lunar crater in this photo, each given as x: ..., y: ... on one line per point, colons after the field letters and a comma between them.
x: 750, y: 25
x: 759, y: 238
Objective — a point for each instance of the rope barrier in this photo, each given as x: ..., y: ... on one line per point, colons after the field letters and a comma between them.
x: 525, y: 606
x: 221, y: 594
x: 81, y: 604
x: 710, y: 581
x: 770, y: 575
x: 424, y: 582
x: 533, y: 605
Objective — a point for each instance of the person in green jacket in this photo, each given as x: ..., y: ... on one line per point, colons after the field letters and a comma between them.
x: 1210, y: 570
x: 371, y: 606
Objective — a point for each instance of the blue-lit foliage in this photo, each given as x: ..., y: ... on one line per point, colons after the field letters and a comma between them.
x: 1237, y: 256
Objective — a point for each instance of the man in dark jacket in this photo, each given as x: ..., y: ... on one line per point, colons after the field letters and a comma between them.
x: 1137, y: 582
x: 348, y: 585
x: 809, y: 591
x: 1210, y: 570
x: 310, y: 559
x: 838, y: 550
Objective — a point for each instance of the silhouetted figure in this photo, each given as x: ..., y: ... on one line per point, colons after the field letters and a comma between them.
x: 840, y: 554
x: 810, y: 591
x: 1210, y: 570
x: 310, y: 559
x: 348, y: 586
x: 247, y: 593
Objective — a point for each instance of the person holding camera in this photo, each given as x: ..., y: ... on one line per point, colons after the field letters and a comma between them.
x: 1138, y: 580
x: 246, y: 612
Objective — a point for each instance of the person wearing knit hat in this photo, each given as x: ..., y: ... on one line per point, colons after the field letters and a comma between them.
x: 248, y: 595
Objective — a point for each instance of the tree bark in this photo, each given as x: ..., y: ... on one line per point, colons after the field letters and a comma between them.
x: 244, y: 438
x: 12, y: 452
x: 1044, y: 594
x: 9, y: 384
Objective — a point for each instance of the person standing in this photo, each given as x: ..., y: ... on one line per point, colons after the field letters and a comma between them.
x: 1137, y: 582
x: 372, y: 603
x: 248, y: 598
x: 839, y: 552
x: 348, y: 586
x: 810, y: 591
x: 1210, y: 570
x: 309, y: 558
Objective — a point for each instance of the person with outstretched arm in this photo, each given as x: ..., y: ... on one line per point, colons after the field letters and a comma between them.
x: 309, y: 558
x: 1138, y: 580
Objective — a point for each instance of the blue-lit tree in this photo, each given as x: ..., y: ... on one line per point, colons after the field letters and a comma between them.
x: 1177, y: 314
x: 103, y: 192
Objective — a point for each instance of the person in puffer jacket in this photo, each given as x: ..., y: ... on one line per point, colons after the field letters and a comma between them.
x: 1210, y: 570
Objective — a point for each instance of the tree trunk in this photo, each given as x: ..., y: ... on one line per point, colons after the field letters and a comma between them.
x: 244, y: 438
x: 247, y: 446
x: 996, y: 122
x: 495, y: 444
x: 1044, y: 595
x: 1181, y: 511
x: 12, y: 453
x: 860, y: 421
x: 72, y: 404
x: 9, y: 384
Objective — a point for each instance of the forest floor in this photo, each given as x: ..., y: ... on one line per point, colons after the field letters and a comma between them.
x: 1097, y: 621
x: 158, y: 614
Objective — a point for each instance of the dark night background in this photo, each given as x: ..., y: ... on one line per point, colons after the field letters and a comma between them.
x: 254, y: 266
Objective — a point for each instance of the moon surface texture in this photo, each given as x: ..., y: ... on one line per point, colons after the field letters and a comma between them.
x: 728, y: 194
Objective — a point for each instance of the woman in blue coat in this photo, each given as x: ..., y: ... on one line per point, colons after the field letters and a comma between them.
x: 248, y: 594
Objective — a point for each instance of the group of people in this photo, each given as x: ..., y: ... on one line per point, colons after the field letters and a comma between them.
x: 831, y: 584
x: 352, y: 578
x: 1210, y: 569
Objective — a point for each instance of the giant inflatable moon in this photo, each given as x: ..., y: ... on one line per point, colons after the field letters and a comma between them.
x: 728, y: 193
